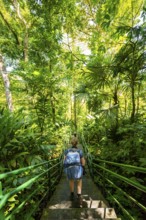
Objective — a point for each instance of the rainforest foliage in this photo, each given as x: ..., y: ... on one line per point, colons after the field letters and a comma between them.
x: 75, y: 65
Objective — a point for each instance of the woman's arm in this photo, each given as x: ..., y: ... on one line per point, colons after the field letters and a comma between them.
x: 83, y: 161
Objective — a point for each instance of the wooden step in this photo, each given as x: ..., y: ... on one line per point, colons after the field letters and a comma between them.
x: 76, y: 204
x: 80, y: 214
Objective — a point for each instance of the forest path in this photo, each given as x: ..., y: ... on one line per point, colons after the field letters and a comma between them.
x: 93, y: 206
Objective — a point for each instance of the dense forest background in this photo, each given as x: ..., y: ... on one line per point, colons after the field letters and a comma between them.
x: 75, y: 65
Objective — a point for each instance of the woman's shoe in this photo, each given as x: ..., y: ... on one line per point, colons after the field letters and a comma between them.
x: 80, y: 200
x: 72, y: 196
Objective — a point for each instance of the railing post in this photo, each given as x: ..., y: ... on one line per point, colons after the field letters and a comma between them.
x: 49, y: 179
x: 91, y: 168
x: 104, y: 191
x: 61, y: 165
x: 59, y: 168
x: 2, y: 217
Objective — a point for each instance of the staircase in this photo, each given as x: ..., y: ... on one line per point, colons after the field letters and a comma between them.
x: 91, y: 209
x: 93, y: 205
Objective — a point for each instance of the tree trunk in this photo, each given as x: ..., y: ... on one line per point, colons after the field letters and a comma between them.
x: 116, y: 103
x: 26, y: 46
x: 53, y: 108
x: 138, y: 95
x: 133, y: 76
x: 6, y: 84
x: 26, y: 25
x: 52, y: 100
x: 133, y: 101
x: 75, y: 112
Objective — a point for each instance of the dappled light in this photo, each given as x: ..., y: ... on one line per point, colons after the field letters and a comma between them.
x: 72, y: 66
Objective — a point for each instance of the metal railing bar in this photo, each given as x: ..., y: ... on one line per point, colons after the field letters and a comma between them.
x: 128, y: 181
x: 37, y: 204
x: 54, y: 165
x: 21, y: 170
x: 127, y: 195
x: 19, y: 188
x: 52, y: 174
x: 123, y: 209
x: 125, y: 179
x: 54, y: 182
x: 4, y: 198
x: 23, y: 203
x: 57, y: 170
x: 23, y: 186
x: 139, y: 169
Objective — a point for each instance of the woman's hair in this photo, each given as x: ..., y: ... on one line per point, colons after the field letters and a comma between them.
x: 74, y: 142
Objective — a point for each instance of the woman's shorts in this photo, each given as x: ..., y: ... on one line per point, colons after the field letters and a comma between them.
x: 74, y: 172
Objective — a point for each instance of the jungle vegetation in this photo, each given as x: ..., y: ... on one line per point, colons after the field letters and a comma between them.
x: 75, y: 65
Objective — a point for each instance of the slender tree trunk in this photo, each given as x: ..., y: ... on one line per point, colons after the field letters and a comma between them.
x: 116, y: 103
x: 137, y: 108
x: 133, y: 102
x: 52, y: 101
x: 75, y: 112
x: 26, y: 46
x: 133, y: 79
x: 6, y: 84
x: 71, y: 106
x: 133, y: 73
x: 26, y: 26
x: 73, y: 94
x: 53, y: 108
x: 125, y: 105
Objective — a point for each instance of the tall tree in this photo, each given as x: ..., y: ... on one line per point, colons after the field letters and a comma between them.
x: 6, y: 82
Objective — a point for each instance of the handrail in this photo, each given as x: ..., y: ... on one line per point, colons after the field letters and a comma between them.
x: 131, y: 182
x: 51, y: 166
x: 128, y: 196
x: 30, y: 214
x: 124, y: 193
x: 121, y: 206
x: 21, y: 170
x: 21, y: 187
x: 92, y: 164
x: 137, y: 169
x: 23, y: 203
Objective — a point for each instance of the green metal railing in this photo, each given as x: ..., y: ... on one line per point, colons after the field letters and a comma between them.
x: 103, y: 168
x: 43, y: 175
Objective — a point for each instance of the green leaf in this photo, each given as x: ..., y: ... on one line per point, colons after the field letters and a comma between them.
x: 21, y: 154
x: 107, y: 16
x: 143, y: 161
x: 13, y: 198
x: 13, y: 163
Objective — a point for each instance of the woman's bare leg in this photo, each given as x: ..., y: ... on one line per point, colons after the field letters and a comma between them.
x: 79, y: 187
x: 71, y: 185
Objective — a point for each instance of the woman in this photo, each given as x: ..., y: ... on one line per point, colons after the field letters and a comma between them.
x: 74, y: 167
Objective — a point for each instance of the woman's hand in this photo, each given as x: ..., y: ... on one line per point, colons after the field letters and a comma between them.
x: 84, y: 171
